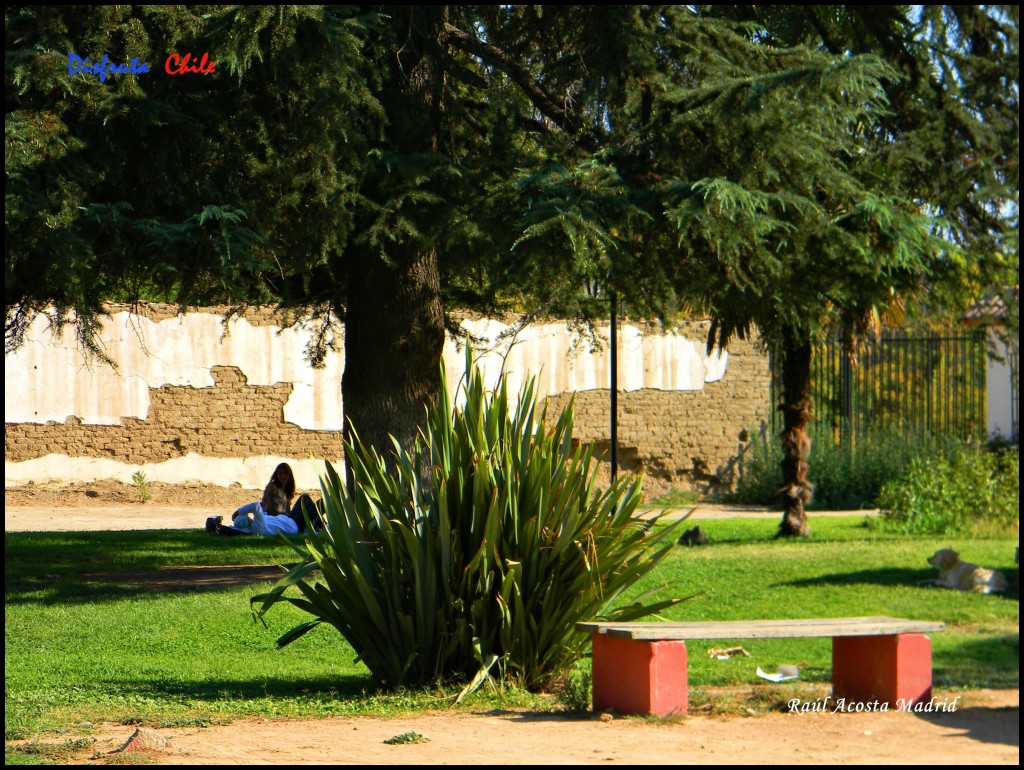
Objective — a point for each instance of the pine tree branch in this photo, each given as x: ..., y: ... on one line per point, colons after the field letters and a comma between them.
x: 834, y: 46
x: 548, y: 105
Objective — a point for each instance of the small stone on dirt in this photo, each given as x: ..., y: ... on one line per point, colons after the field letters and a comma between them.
x: 144, y: 739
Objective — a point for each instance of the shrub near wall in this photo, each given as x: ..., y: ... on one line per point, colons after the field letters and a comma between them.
x: 845, y: 476
x: 975, y: 492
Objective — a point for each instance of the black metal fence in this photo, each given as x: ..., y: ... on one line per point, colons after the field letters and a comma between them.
x: 921, y: 383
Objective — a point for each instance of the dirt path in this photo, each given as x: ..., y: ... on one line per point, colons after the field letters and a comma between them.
x: 110, y: 505
x: 983, y: 729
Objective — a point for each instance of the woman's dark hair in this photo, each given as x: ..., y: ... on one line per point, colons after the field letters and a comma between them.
x: 289, y: 487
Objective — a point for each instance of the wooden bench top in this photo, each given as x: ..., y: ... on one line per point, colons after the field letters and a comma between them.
x: 761, y: 629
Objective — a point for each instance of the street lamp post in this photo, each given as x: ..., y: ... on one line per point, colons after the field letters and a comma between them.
x: 614, y: 387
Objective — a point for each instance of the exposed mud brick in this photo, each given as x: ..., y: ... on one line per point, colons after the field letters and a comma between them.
x: 230, y: 419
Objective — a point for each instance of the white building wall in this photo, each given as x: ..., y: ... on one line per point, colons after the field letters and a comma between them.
x: 1002, y: 396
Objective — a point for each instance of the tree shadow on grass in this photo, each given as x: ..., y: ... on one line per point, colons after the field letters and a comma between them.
x: 887, y: 576
x: 133, y: 585
x: 72, y: 568
x: 992, y: 661
x: 189, y: 579
x: 349, y: 687
x: 891, y: 576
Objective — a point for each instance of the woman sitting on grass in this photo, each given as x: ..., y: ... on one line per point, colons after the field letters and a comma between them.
x: 273, y: 515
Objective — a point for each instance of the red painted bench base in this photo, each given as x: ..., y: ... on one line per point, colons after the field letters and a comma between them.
x: 886, y: 669
x: 639, y: 677
x: 650, y: 677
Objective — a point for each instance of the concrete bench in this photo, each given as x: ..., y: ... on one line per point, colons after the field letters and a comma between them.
x: 640, y: 668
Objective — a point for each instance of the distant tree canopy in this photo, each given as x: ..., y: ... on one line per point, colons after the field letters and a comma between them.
x: 777, y: 167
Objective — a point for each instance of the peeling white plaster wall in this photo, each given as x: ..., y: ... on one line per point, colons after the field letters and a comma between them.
x: 548, y: 352
x: 49, y: 379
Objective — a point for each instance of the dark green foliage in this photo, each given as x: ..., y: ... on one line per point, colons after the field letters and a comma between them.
x: 574, y: 690
x: 947, y: 141
x: 779, y: 167
x: 491, y: 564
x: 181, y: 188
x: 923, y: 486
x: 922, y: 200
x: 973, y: 492
x: 716, y: 172
x: 404, y: 738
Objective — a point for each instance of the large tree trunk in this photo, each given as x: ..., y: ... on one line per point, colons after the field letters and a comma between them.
x: 394, y: 335
x: 796, y: 489
x: 394, y: 318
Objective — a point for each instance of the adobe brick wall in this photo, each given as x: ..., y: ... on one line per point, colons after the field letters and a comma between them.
x: 230, y: 419
x: 677, y: 438
x: 688, y: 439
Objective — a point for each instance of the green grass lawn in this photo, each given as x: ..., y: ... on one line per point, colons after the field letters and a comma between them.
x: 79, y: 650
x: 845, y: 569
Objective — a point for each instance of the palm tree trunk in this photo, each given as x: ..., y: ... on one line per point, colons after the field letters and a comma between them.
x: 796, y: 489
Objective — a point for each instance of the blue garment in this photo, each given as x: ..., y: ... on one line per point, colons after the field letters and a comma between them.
x: 262, y: 524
